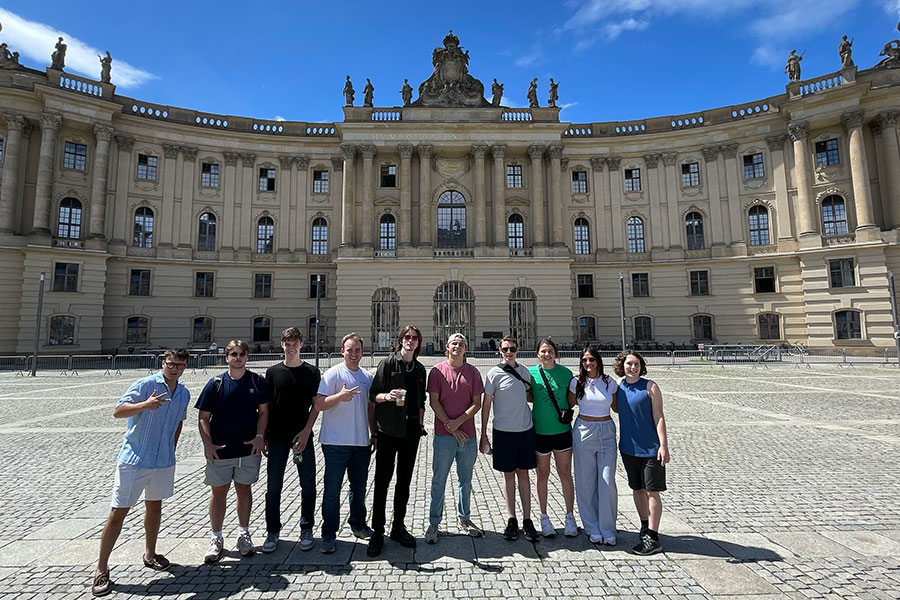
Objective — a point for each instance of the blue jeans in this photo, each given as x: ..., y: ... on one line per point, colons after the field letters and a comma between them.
x: 446, y: 449
x: 594, y: 444
x: 279, y: 454
x: 355, y: 461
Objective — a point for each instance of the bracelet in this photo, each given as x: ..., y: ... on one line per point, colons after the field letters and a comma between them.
x: 259, y: 435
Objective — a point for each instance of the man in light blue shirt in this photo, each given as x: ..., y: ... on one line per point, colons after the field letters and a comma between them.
x: 155, y: 407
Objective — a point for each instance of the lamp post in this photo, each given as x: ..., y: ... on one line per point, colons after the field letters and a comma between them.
x: 319, y: 291
x: 37, y: 326
x: 622, y: 306
x: 895, y: 318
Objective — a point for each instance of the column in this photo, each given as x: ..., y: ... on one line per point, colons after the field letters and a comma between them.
x: 886, y: 123
x: 404, y: 227
x: 103, y: 135
x: 479, y: 151
x: 188, y: 183
x: 717, y: 225
x: 50, y: 124
x: 166, y: 220
x: 348, y: 198
x: 780, y: 176
x: 859, y: 169
x: 425, y: 232
x: 656, y: 220
x: 670, y: 185
x: 613, y: 163
x: 368, y: 224
x: 9, y: 192
x: 557, y: 232
x: 805, y: 223
x: 285, y: 178
x: 536, y: 154
x: 297, y: 226
x: 498, y: 152
x: 123, y: 175
x: 600, y: 191
x: 735, y: 216
x: 245, y: 226
x: 230, y: 190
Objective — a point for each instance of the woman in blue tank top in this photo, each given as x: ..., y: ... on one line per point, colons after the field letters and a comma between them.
x: 643, y: 444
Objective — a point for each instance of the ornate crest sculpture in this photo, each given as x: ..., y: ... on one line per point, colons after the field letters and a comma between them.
x: 450, y: 85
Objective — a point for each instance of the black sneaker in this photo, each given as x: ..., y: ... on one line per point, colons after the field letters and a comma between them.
x: 647, y: 546
x: 530, y: 532
x: 402, y: 536
x: 376, y: 543
x: 512, y: 530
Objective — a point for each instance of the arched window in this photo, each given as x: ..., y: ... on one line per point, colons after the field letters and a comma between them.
x: 136, y: 330
x: 454, y: 311
x: 69, y: 226
x: 515, y: 231
x: 693, y: 226
x: 643, y: 329
x: 206, y: 233
x: 587, y: 329
x: 702, y: 327
x: 265, y: 235
x: 834, y: 216
x: 451, y: 220
x: 262, y: 329
x: 635, y: 235
x: 62, y: 330
x: 319, y: 236
x: 522, y: 321
x: 143, y: 228
x: 201, y: 330
x: 847, y: 325
x: 387, y: 233
x: 769, y: 326
x: 385, y: 318
x: 582, y: 235
x: 759, y: 225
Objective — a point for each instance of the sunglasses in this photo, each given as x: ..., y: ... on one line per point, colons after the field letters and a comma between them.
x: 172, y: 365
x: 411, y: 338
x: 236, y: 354
x: 509, y: 349
x: 588, y: 359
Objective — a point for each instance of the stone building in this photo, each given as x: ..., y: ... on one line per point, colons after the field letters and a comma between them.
x: 775, y: 220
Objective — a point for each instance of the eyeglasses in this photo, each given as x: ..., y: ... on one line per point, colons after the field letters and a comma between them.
x: 588, y: 359
x: 509, y: 349
x: 172, y: 365
x: 236, y: 354
x: 411, y: 338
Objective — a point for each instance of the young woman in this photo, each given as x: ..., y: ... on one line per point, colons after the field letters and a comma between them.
x: 643, y: 444
x: 594, y: 444
x: 550, y: 382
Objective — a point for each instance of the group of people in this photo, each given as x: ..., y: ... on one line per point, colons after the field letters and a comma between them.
x: 243, y: 416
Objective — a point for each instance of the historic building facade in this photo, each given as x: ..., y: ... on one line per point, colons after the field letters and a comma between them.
x: 776, y: 220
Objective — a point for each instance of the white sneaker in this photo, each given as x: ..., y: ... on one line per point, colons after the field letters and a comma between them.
x: 431, y: 534
x: 547, y: 529
x: 214, y: 550
x: 245, y: 545
x: 571, y: 526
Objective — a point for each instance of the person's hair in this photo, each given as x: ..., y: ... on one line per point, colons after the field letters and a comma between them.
x: 179, y: 353
x: 351, y: 336
x: 235, y: 343
x: 508, y: 338
x: 619, y: 364
x: 457, y: 336
x: 403, y: 332
x: 549, y: 342
x: 292, y: 334
x: 583, y: 373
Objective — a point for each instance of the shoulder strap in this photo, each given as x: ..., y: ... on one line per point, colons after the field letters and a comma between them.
x: 512, y: 371
x: 550, y: 391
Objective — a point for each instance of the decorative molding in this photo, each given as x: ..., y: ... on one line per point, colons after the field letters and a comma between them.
x: 231, y: 158
x: 760, y: 202
x: 190, y: 154
x: 479, y: 151
x: 452, y: 185
x: 51, y: 121
x: 405, y: 151
x: 798, y: 130
x: 556, y: 151
x: 424, y: 151
x: 613, y: 162
x: 522, y: 211
x: 710, y: 153
x: 580, y: 215
x: 597, y: 163
x: 349, y: 151
x: 285, y: 161
x: 834, y: 191
x: 519, y: 202
x: 302, y: 162
x: 14, y: 122
x: 652, y: 160
x: 564, y: 163
x: 669, y: 158
x: 337, y: 163
x: 729, y: 150
x: 536, y: 151
x: 265, y: 213
x: 693, y: 208
x: 103, y: 133
x: 386, y: 201
x: 633, y: 212
x: 498, y: 151
x: 776, y: 142
x: 368, y: 151
x: 452, y: 168
x: 141, y: 203
x: 853, y: 119
x: 208, y: 209
x: 170, y: 150
x: 247, y: 160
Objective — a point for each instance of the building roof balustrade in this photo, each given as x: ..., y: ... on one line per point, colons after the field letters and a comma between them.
x: 823, y: 83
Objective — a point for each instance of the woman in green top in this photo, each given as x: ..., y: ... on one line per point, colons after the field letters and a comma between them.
x: 551, y: 381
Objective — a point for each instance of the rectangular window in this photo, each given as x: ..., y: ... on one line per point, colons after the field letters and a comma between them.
x: 842, y: 275
x: 139, y: 283
x: 146, y: 167
x: 1, y: 149
x: 388, y: 176
x: 827, y: 153
x: 699, y: 283
x: 314, y: 279
x: 266, y: 180
x: 75, y: 156
x: 262, y: 285
x: 579, y: 182
x: 320, y: 182
x: 632, y: 180
x: 209, y: 175
x: 690, y: 175
x: 65, y: 277
x: 753, y: 166
x: 764, y: 280
x: 640, y: 285
x: 513, y: 176
x: 847, y: 325
x: 203, y: 285
x: 586, y: 286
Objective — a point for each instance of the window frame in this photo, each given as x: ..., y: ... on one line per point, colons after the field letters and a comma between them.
x: 208, y: 325
x: 70, y: 224
x: 584, y: 285
x: 579, y: 181
x: 757, y: 278
x: 387, y: 232
x: 515, y: 231
x: 691, y: 178
x: 265, y: 235
x: 208, y: 178
x: 262, y: 287
x: 141, y: 284
x: 849, y: 325
x: 208, y: 284
x: 646, y: 328
x: 640, y: 286
x: 636, y: 244
x: 70, y: 321
x: 204, y: 238
x: 74, y: 158
x: 320, y: 181
x: 827, y: 153
x: 319, y: 238
x: 836, y: 219
x: 581, y: 236
x: 699, y: 282
x: 387, y: 176
x: 515, y: 176
x: 632, y: 179
x: 759, y: 326
x: 842, y: 272
x: 753, y: 168
x: 68, y: 280
x: 147, y: 171
x: 323, y: 277
x: 267, y: 177
x: 712, y: 327
x: 695, y: 236
x: 589, y: 327
x: 267, y: 327
x: 758, y: 231
x: 129, y: 329
x: 143, y: 237
x: 452, y: 209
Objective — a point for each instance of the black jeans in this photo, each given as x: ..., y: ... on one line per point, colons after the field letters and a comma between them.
x: 403, y: 450
x: 279, y: 454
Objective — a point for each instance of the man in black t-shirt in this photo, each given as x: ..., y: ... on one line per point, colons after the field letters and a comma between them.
x: 294, y: 385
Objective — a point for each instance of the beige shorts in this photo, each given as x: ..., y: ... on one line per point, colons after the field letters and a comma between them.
x: 244, y: 470
x: 156, y: 484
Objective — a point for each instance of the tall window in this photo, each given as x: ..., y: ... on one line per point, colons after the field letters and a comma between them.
x: 769, y: 325
x: 262, y: 329
x: 203, y: 285
x: 764, y: 280
x: 699, y: 283
x: 146, y: 167
x: 753, y: 166
x: 587, y: 329
x: 69, y: 219
x: 206, y: 233
x: 759, y: 225
x: 451, y: 220
x: 640, y: 285
x: 454, y: 311
x: 143, y: 228
x: 201, y: 330
x: 841, y: 272
x: 65, y: 277
x: 702, y: 327
x: 522, y: 319
x: 136, y: 330
x: 314, y: 280
x: 582, y: 233
x: 834, y: 216
x: 75, y: 156
x: 827, y: 153
x: 267, y: 180
x: 385, y: 318
x: 585, y: 283
x: 387, y: 233
x: 139, y: 283
x: 690, y: 174
x: 643, y: 329
x: 265, y: 235
x: 320, y: 182
x: 632, y: 180
x: 388, y: 176
x: 579, y: 182
x: 62, y: 330
x: 1, y: 149
x: 635, y: 228
x: 515, y: 231
x: 847, y: 325
x: 513, y: 176
x: 693, y: 226
x: 262, y: 285
x: 209, y: 175
x: 319, y: 236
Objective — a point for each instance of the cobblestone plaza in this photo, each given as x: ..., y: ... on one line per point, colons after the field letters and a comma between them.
x: 782, y: 484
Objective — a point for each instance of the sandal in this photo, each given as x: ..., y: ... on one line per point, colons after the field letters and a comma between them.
x: 157, y: 562
x: 102, y: 584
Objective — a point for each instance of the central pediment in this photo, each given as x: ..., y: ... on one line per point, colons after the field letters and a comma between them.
x: 450, y: 85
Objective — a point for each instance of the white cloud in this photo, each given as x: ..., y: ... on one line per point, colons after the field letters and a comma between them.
x: 614, y: 30
x: 36, y: 41
x: 892, y: 6
x: 535, y: 57
x: 505, y: 101
x: 279, y: 118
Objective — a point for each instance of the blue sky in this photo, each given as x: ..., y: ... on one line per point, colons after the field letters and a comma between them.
x: 614, y: 59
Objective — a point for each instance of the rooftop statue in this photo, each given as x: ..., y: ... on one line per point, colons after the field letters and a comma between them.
x: 8, y: 60
x: 891, y: 54
x: 532, y: 94
x: 496, y: 93
x: 105, y: 67
x: 348, y: 93
x: 368, y: 93
x: 450, y: 84
x: 406, y: 92
x: 845, y: 49
x: 58, y: 58
x: 554, y: 93
x: 792, y: 68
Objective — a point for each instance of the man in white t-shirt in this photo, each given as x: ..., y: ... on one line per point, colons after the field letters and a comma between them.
x: 346, y: 434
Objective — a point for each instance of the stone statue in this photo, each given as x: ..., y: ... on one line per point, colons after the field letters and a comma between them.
x: 532, y: 94
x: 554, y: 93
x: 406, y: 92
x: 58, y: 58
x: 450, y: 84
x: 496, y: 93
x: 845, y: 49
x: 348, y: 93
x: 368, y: 92
x: 792, y: 68
x: 891, y: 54
x: 105, y: 67
x: 8, y: 60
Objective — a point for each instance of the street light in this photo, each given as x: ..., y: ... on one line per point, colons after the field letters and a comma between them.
x: 37, y: 326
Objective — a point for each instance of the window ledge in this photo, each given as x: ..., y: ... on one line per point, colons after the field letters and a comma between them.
x: 847, y: 288
x: 852, y: 342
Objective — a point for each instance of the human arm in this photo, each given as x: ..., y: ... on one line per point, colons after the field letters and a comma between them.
x: 439, y: 413
x: 262, y: 420
x: 485, y: 416
x: 210, y: 450
x: 660, y: 421
x: 323, y: 402
x: 136, y: 400
x: 303, y: 437
x: 177, y: 434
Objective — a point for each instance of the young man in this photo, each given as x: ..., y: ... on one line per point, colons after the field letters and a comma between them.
x: 506, y: 389
x: 346, y: 433
x: 294, y: 385
x: 234, y: 412
x: 155, y: 407
x: 454, y: 389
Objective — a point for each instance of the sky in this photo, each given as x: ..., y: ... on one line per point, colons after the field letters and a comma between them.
x: 615, y: 60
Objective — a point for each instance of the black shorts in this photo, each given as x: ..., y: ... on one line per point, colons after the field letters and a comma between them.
x: 514, y: 450
x: 644, y: 473
x: 558, y: 442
